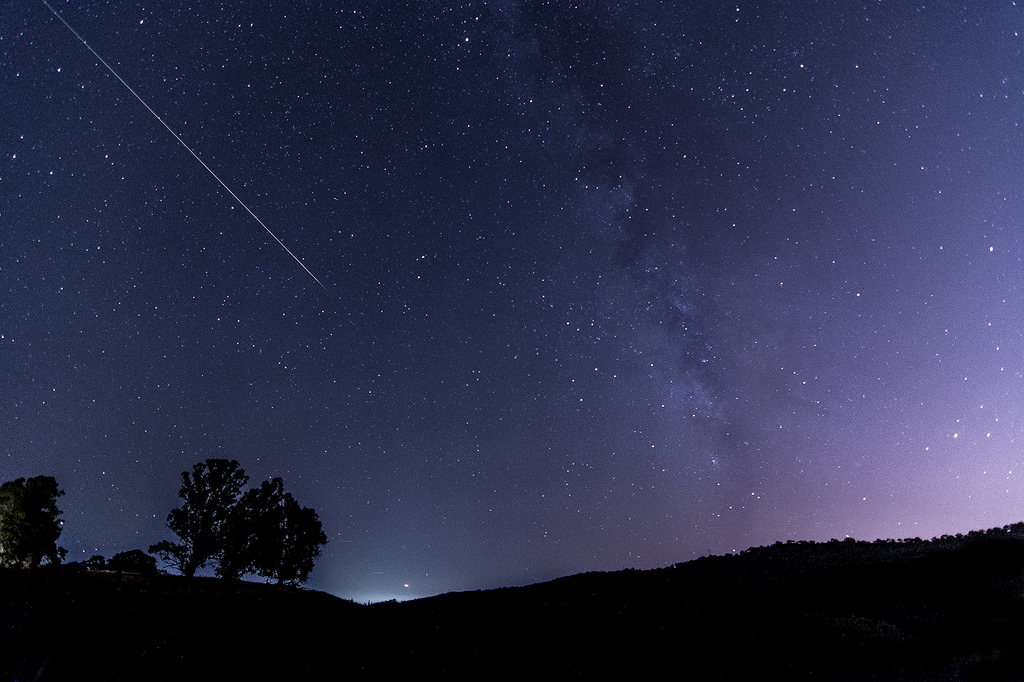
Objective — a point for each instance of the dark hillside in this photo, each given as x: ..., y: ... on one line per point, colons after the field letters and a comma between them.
x: 952, y: 608
x: 74, y: 625
x: 839, y: 610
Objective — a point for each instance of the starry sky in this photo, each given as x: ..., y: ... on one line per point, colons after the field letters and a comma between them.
x: 605, y: 285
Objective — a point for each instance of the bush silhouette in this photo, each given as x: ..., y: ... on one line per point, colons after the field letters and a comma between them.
x: 133, y: 561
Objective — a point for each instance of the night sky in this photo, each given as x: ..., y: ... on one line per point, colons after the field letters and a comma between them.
x: 604, y: 285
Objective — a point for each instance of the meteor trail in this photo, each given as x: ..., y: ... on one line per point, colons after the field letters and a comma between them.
x: 196, y: 156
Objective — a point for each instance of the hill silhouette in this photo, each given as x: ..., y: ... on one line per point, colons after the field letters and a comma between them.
x: 947, y: 608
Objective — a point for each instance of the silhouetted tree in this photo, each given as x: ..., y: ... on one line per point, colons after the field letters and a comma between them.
x: 132, y: 561
x: 95, y: 563
x: 209, y: 495
x: 30, y: 522
x: 173, y: 554
x: 271, y: 535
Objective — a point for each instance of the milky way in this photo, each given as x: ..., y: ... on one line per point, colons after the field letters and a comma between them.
x: 606, y: 287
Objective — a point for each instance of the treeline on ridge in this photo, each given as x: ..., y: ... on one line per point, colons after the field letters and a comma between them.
x: 263, y: 531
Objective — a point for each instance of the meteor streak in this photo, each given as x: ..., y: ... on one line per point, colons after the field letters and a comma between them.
x: 196, y: 156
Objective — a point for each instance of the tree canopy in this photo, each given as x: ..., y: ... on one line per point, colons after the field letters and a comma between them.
x: 209, y: 495
x: 30, y: 522
x: 132, y: 561
x: 265, y: 531
x: 271, y: 535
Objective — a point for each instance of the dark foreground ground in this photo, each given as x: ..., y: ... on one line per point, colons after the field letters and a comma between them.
x: 948, y: 609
